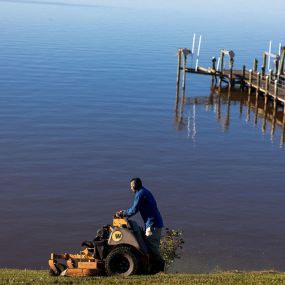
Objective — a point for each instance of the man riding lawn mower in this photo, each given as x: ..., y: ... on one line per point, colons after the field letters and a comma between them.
x: 118, y: 249
x: 122, y: 248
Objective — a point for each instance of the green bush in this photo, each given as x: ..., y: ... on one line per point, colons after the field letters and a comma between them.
x: 171, y: 244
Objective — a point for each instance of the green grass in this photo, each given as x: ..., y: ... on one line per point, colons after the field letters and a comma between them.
x: 13, y: 276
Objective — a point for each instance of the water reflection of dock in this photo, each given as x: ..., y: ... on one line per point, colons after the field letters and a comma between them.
x: 254, y: 108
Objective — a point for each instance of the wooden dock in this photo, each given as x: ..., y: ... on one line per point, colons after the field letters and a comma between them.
x: 270, y: 85
x: 249, y: 79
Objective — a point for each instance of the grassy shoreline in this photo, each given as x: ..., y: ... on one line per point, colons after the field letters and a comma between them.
x: 41, y: 277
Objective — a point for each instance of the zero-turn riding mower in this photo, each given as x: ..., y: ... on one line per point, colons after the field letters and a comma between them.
x: 118, y: 249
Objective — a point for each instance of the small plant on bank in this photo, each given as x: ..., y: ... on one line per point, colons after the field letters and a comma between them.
x: 171, y: 244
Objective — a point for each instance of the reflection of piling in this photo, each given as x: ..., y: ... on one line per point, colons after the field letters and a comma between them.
x: 282, y: 140
x: 274, y: 121
x: 266, y: 93
x: 256, y: 110
x: 227, y: 119
x: 264, y: 123
x: 248, y: 109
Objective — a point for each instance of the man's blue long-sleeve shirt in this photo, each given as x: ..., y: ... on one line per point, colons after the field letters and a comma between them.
x: 145, y: 203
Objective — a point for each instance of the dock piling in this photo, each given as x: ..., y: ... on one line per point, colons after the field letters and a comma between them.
x: 185, y: 53
x: 257, y: 84
x: 231, y: 80
x: 255, y: 65
x: 275, y: 88
x: 250, y: 81
x: 178, y: 75
x: 242, y: 83
x: 264, y: 64
x: 213, y: 70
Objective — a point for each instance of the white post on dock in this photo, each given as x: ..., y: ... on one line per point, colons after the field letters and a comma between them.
x: 218, y: 63
x: 193, y: 48
x: 198, y: 53
x: 193, y: 43
x: 269, y: 53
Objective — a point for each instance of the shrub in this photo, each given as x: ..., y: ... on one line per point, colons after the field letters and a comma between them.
x: 171, y: 244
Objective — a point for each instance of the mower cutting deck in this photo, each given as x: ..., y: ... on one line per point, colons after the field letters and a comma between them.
x: 118, y: 249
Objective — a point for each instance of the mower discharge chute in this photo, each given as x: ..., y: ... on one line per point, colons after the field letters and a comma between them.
x: 118, y: 249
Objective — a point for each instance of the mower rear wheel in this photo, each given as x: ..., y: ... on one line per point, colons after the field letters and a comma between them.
x: 121, y: 261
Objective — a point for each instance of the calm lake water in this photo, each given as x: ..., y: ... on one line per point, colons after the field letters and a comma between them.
x: 87, y: 95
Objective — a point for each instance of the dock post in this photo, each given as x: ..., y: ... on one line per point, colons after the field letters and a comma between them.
x: 256, y: 97
x: 242, y: 83
x: 222, y: 61
x: 222, y: 69
x: 264, y: 64
x: 267, y: 85
x: 255, y: 64
x: 257, y: 83
x: 184, y: 73
x: 271, y: 74
x: 178, y: 77
x: 213, y: 69
x: 231, y: 73
x: 275, y: 88
x: 250, y: 81
x: 276, y: 65
x: 185, y: 52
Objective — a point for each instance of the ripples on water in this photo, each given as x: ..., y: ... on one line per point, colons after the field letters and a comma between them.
x: 87, y: 101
